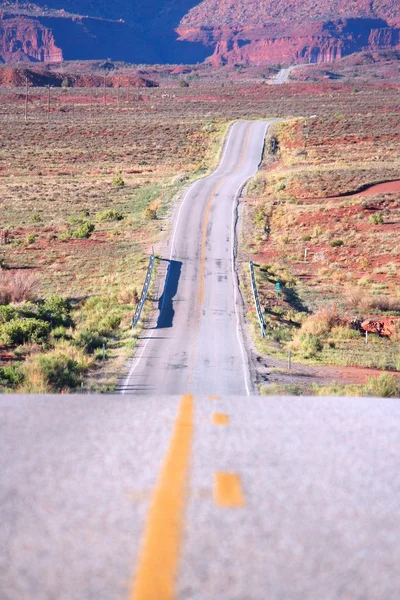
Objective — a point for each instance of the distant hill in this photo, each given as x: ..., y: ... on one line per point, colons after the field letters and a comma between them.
x: 233, y: 31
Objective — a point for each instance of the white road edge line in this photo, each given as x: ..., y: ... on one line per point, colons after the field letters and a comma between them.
x: 234, y: 278
x: 191, y: 188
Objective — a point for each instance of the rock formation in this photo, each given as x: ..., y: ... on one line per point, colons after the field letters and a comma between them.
x: 231, y: 31
x: 290, y: 32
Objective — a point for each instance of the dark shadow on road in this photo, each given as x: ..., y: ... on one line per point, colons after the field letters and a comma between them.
x: 165, y: 304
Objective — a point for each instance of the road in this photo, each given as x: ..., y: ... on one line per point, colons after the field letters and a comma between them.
x: 194, y: 341
x: 258, y: 499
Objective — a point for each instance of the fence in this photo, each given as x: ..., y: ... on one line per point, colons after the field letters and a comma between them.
x: 145, y: 290
x: 256, y: 300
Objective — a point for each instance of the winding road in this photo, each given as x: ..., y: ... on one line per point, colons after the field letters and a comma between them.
x: 206, y: 493
x: 194, y: 342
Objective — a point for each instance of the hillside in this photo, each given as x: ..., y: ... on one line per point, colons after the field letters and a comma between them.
x: 290, y: 31
x: 123, y: 30
x: 240, y: 32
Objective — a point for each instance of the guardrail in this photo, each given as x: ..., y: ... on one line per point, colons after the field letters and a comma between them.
x: 145, y: 290
x: 257, y: 300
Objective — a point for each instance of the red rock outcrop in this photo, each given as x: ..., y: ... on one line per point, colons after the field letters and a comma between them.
x: 24, y: 40
x: 383, y: 326
x: 253, y: 32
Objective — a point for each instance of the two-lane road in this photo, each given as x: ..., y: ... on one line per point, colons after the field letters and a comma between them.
x: 194, y: 342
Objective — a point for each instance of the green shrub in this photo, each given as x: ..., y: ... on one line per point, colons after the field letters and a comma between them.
x: 10, y: 377
x: 22, y: 331
x: 384, y: 386
x: 30, y: 238
x: 109, y: 215
x: 7, y: 313
x: 336, y: 243
x: 88, y: 340
x: 183, y: 83
x: 151, y: 214
x: 60, y: 333
x: 309, y: 345
x: 54, y: 371
x: 56, y: 310
x: 118, y: 181
x: 376, y: 219
x: 84, y: 230
x: 109, y: 323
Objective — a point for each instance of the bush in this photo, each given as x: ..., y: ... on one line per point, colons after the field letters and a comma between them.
x: 10, y: 377
x: 150, y: 214
x: 109, y: 215
x: 183, y: 83
x: 118, y: 181
x: 16, y: 287
x: 30, y: 238
x: 55, y: 371
x: 309, y: 345
x: 84, y: 230
x: 321, y: 322
x: 336, y: 243
x: 376, y: 219
x: 60, y: 371
x: 56, y: 310
x: 7, y: 313
x: 22, y: 331
x: 88, y: 340
x: 384, y: 386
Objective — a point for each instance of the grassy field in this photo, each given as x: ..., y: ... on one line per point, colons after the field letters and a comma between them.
x: 87, y: 189
x: 334, y: 251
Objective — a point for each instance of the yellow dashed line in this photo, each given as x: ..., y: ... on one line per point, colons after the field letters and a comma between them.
x: 155, y: 577
x: 228, y: 491
x: 220, y: 419
x: 214, y: 397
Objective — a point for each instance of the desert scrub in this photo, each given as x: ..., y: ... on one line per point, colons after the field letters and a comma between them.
x: 118, y: 181
x: 10, y: 377
x: 109, y: 215
x: 83, y: 231
x: 384, y: 386
x: 60, y: 369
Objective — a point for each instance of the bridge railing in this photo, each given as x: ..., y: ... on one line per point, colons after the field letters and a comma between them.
x: 257, y: 300
x: 145, y: 291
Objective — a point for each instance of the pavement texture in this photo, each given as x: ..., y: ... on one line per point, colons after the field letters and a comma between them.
x: 318, y: 515
x: 194, y: 340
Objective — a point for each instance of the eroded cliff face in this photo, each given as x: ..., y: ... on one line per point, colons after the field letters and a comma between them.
x: 288, y: 32
x: 27, y: 40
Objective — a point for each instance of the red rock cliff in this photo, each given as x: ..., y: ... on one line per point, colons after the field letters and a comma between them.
x: 24, y: 40
x: 288, y: 31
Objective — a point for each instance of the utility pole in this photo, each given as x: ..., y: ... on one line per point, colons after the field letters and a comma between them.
x: 119, y: 91
x: 48, y: 102
x: 26, y: 99
x: 105, y: 95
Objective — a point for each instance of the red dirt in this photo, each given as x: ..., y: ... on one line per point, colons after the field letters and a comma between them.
x: 381, y: 188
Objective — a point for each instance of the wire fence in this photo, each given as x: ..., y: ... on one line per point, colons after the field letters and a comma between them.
x: 257, y: 300
x: 145, y: 290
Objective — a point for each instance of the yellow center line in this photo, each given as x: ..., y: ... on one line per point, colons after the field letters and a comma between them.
x: 214, y: 397
x: 228, y: 491
x: 207, y: 215
x: 157, y: 566
x: 220, y: 419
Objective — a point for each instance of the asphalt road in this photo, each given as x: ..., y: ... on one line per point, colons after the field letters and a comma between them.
x: 289, y: 499
x: 194, y: 341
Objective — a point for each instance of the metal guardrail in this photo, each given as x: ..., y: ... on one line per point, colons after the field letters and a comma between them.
x: 257, y: 300
x: 145, y: 290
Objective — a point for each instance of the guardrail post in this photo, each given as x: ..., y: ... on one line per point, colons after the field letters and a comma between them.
x: 145, y: 290
x: 257, y: 300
